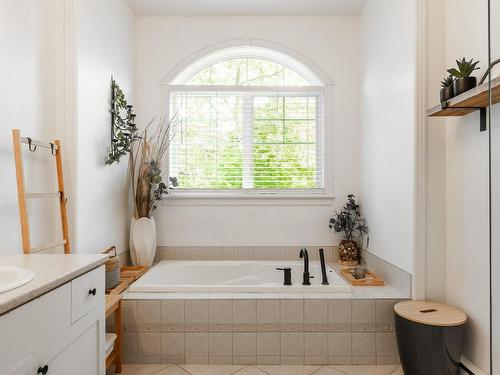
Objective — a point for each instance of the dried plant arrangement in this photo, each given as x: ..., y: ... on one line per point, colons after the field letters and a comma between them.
x: 146, y: 156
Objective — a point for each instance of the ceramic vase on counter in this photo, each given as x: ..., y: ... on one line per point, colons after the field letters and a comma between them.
x: 142, y: 241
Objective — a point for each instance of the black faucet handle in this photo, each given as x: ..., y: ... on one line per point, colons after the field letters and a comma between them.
x: 323, y: 267
x: 287, y: 276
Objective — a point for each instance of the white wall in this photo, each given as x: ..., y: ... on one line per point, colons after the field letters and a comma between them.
x: 467, y: 188
x: 332, y: 44
x: 495, y: 126
x: 31, y: 76
x: 461, y: 251
x: 106, y: 46
x: 435, y: 256
x: 59, y: 51
x: 387, y: 126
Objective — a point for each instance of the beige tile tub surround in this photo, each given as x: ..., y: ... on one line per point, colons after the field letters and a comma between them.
x: 244, y: 313
x: 172, y: 344
x: 393, y: 275
x: 125, y: 260
x: 196, y: 312
x: 148, y: 344
x: 240, y: 252
x: 316, y: 315
x: 260, y: 331
x: 172, y: 312
x: 220, y: 344
x: 220, y: 311
x: 149, y: 312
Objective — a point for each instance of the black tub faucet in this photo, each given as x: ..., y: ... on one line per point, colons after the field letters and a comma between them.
x: 323, y: 267
x: 306, y: 277
x: 287, y: 278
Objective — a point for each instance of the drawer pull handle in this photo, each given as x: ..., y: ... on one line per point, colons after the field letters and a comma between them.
x: 93, y: 291
x: 43, y: 370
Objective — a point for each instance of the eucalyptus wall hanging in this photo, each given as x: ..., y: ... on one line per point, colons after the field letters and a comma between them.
x: 123, y: 128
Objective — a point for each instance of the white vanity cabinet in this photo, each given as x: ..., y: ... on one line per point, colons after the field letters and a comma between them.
x: 58, y: 333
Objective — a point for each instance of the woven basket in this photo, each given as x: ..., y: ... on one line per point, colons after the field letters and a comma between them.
x: 112, y: 268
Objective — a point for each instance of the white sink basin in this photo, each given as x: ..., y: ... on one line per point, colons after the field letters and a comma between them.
x: 14, y: 277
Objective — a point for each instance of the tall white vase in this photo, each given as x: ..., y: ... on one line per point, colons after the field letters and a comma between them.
x: 142, y: 241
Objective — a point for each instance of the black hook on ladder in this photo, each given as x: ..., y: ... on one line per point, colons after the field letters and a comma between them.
x: 53, y: 149
x: 31, y: 147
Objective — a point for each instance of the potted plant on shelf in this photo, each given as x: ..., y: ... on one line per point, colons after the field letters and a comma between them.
x: 353, y: 225
x: 148, y: 188
x: 447, y: 88
x: 464, y: 81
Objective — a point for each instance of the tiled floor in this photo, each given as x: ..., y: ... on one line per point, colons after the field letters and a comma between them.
x: 257, y: 370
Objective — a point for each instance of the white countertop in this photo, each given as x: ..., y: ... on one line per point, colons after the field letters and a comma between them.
x: 50, y: 270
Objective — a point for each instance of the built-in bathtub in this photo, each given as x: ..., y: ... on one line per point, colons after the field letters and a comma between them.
x: 239, y: 312
x: 236, y: 276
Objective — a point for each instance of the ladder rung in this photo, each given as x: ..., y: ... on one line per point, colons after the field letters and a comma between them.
x: 42, y: 195
x: 47, y: 246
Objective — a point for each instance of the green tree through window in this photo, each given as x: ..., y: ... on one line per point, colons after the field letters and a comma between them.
x: 249, y: 138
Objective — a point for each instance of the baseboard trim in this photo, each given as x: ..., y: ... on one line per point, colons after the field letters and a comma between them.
x: 470, y: 368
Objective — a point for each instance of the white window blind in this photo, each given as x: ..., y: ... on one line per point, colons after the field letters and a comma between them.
x: 248, y: 139
x: 247, y: 123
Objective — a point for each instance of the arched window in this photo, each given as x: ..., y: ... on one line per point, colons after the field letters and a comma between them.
x: 251, y: 120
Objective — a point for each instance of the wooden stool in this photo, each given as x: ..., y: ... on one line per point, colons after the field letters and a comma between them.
x: 429, y: 336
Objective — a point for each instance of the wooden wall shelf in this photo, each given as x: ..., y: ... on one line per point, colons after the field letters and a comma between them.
x: 469, y: 101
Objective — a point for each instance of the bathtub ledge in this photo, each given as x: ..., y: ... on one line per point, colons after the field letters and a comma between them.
x: 362, y: 292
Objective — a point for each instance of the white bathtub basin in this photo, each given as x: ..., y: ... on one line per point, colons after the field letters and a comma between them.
x: 235, y: 276
x: 13, y: 277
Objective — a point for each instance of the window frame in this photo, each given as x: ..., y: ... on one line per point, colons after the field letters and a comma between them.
x: 316, y: 196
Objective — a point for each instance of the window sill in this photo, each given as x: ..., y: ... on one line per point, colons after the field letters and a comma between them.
x: 242, y: 199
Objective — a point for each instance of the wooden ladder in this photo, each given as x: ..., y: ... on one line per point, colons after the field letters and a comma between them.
x: 55, y: 149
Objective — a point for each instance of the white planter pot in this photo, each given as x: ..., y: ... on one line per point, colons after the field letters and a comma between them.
x: 142, y: 241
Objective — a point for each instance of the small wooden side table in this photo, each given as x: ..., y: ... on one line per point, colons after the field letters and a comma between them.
x: 114, y: 305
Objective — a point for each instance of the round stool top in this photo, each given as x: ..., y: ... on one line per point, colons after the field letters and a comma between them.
x: 430, y: 313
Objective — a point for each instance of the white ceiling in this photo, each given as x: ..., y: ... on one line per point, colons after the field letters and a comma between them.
x: 162, y: 8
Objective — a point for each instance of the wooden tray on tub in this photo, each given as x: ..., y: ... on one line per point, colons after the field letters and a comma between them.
x: 122, y: 285
x: 132, y: 271
x: 370, y: 280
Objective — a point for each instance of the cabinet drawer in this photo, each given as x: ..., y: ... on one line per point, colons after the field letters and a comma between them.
x: 87, y: 292
x: 27, y: 328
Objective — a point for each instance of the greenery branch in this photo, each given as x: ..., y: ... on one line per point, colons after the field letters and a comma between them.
x: 123, y: 128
